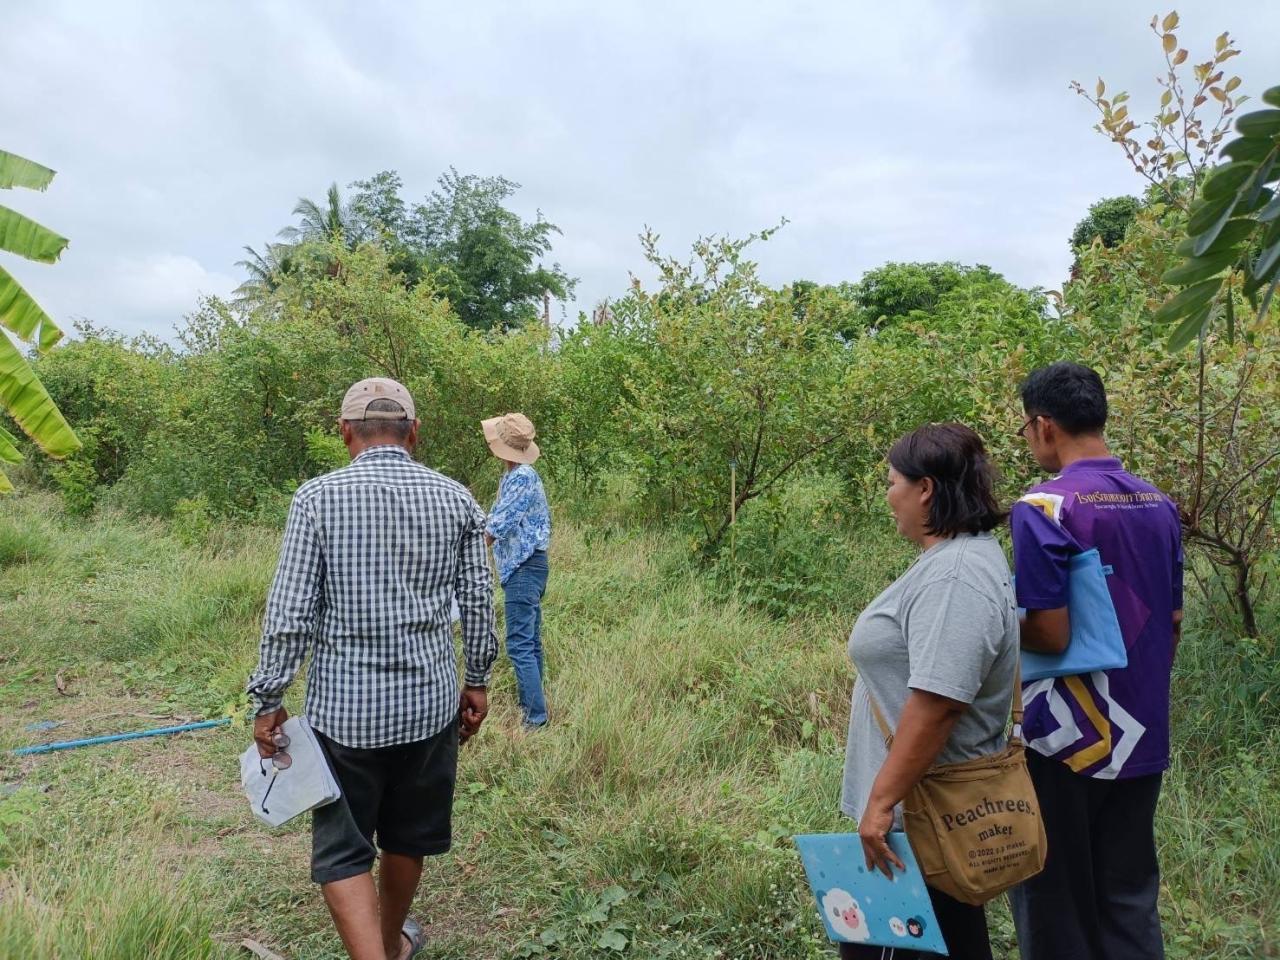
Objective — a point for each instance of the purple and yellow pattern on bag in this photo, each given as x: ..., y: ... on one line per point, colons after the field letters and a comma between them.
x: 1111, y: 723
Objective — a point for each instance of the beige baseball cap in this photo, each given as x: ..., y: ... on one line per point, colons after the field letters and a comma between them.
x: 510, y: 437
x: 355, y: 404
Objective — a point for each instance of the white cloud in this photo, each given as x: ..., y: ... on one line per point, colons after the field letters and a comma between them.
x: 165, y: 283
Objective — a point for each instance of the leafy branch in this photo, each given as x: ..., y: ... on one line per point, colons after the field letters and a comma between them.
x: 1181, y: 144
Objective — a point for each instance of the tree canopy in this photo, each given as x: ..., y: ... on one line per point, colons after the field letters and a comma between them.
x: 484, y: 258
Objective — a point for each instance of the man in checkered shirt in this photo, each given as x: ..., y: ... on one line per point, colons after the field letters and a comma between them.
x: 374, y: 555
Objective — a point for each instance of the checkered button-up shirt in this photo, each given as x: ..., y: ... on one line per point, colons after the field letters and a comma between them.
x: 374, y: 555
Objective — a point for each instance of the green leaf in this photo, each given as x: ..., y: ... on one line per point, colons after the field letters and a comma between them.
x: 9, y: 451
x: 1231, y: 317
x: 1205, y: 213
x: 1266, y: 261
x: 1207, y: 220
x: 612, y: 940
x: 1232, y: 234
x: 26, y: 238
x: 1261, y: 177
x: 22, y: 315
x: 1227, y: 179
x: 1188, y: 330
x: 1254, y: 203
x: 1199, y: 268
x: 1270, y: 211
x: 16, y: 171
x: 613, y: 895
x: 1266, y: 300
x: 1272, y: 96
x: 28, y: 402
x: 1260, y: 123
x: 1248, y: 148
x: 1189, y: 300
x: 1251, y: 287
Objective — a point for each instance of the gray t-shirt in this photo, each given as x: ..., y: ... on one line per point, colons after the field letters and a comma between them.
x: 949, y: 626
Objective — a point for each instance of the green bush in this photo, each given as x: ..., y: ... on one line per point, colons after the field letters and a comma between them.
x: 78, y: 483
x: 192, y: 521
x: 791, y: 550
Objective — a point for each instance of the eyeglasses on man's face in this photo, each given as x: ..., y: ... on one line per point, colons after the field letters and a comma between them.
x: 1022, y: 430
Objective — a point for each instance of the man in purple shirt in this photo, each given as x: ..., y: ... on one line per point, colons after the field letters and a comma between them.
x: 1099, y: 742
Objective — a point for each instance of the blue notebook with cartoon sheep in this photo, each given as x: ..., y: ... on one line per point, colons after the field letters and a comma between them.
x: 864, y: 906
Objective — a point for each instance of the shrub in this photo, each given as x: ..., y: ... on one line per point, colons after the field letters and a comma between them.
x: 77, y: 481
x: 789, y: 550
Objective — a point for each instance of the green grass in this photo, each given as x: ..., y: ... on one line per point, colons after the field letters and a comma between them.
x: 691, y: 736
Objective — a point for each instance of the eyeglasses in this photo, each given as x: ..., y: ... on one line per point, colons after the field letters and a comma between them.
x: 1022, y: 430
x: 279, y: 761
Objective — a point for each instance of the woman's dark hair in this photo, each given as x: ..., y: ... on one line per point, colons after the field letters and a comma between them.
x: 953, y: 457
x: 1069, y: 394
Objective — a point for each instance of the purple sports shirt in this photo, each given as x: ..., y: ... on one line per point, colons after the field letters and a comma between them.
x: 1109, y: 724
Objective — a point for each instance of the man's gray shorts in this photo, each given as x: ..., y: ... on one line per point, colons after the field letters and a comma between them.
x: 400, y: 796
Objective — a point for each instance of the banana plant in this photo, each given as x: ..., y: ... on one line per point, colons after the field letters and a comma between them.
x: 22, y: 395
x: 1233, y: 233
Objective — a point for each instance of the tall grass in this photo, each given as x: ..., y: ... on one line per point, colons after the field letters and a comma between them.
x: 691, y: 735
x: 116, y: 906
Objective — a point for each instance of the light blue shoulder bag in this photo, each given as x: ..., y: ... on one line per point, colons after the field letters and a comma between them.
x: 1096, y: 641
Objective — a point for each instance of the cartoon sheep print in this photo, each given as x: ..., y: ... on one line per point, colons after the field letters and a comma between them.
x: 845, y: 916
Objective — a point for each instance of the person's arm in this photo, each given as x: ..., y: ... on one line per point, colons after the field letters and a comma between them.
x: 1042, y: 552
x: 923, y: 730
x: 474, y: 592
x: 293, y: 607
x: 954, y: 634
x: 1046, y: 631
x: 513, y: 503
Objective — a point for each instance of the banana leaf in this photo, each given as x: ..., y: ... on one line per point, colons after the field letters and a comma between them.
x: 22, y: 315
x: 16, y: 171
x: 26, y: 238
x: 9, y: 452
x: 28, y: 402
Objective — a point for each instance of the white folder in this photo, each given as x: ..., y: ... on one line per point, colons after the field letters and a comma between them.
x: 277, y: 796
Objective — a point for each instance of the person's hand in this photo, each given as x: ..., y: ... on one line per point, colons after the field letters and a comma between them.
x: 266, y: 726
x: 876, y: 822
x: 488, y: 539
x: 472, y: 711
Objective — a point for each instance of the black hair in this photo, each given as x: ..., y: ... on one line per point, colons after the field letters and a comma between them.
x: 393, y: 431
x: 954, y: 458
x: 1070, y: 394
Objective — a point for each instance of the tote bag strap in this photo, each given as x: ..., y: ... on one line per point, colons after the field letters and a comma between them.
x: 1016, y: 712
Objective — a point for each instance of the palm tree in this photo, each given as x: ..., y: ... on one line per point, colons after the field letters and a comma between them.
x: 22, y: 395
x: 301, y: 247
x: 334, y: 219
x: 267, y: 271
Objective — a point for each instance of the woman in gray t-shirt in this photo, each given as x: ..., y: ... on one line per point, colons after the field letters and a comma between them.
x: 937, y: 651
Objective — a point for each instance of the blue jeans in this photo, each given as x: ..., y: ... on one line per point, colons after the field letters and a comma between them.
x: 523, y: 591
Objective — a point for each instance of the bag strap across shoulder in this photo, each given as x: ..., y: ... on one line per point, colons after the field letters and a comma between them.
x: 1016, y: 711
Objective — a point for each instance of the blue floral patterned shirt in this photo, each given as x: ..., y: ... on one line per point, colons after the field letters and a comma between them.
x: 520, y: 522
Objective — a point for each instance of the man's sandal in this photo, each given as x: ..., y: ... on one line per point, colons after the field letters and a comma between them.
x: 413, y: 932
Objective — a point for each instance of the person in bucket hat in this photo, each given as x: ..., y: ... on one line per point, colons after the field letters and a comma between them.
x: 519, y: 530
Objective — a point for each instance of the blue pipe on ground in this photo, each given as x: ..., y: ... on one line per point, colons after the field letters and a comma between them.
x: 91, y: 741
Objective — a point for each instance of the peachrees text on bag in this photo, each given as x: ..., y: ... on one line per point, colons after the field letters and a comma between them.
x: 986, y: 808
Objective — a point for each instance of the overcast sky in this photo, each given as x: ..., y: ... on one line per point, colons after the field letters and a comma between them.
x: 883, y: 131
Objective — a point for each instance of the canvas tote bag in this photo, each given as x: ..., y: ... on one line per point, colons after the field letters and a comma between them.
x: 975, y: 826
